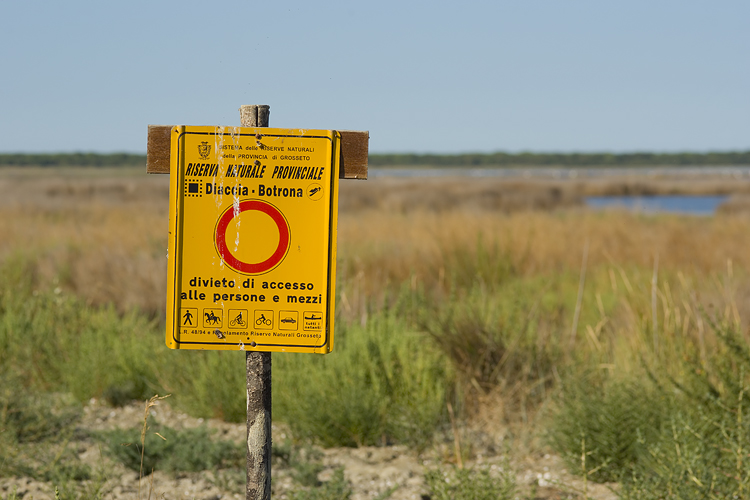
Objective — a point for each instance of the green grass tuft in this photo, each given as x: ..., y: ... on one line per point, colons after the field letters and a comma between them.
x: 35, y: 430
x: 337, y: 488
x: 187, y: 450
x: 478, y: 483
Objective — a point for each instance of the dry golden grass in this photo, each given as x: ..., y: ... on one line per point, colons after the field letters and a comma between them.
x: 105, y: 254
x: 103, y: 235
x: 391, y: 229
x: 387, y: 247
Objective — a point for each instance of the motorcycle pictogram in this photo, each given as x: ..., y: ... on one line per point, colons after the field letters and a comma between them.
x: 262, y: 320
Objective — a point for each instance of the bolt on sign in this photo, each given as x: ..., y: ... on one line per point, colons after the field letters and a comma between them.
x: 252, y: 238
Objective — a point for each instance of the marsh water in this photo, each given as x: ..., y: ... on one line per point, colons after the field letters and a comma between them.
x: 692, y: 205
x: 737, y: 172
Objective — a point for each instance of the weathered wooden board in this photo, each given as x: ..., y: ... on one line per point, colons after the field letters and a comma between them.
x: 157, y: 151
x: 354, y: 151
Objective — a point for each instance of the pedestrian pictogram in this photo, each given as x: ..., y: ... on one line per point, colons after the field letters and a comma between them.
x: 189, y: 317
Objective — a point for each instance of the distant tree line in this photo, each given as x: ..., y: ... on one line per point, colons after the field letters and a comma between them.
x: 561, y: 159
x: 434, y: 160
x: 72, y: 160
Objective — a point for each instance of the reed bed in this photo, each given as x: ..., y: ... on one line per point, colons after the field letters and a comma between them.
x: 105, y: 239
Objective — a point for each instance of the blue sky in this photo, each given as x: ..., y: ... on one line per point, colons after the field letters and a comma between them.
x: 521, y: 75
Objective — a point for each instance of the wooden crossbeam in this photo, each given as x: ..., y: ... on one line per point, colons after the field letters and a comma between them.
x: 354, y: 150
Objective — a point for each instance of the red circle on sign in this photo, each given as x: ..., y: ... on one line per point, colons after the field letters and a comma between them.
x: 247, y: 267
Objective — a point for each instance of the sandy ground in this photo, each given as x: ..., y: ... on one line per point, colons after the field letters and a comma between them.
x: 370, y: 470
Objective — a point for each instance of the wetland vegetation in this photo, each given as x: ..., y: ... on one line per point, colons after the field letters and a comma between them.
x: 617, y: 341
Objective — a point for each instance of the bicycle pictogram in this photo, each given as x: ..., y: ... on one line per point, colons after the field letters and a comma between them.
x: 238, y: 321
x: 262, y: 320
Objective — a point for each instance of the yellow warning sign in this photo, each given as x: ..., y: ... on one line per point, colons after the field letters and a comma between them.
x: 252, y: 239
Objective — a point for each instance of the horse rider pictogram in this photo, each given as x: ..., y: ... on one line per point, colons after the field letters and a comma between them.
x: 211, y: 318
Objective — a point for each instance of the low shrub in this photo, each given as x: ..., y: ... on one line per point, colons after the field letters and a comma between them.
x: 703, y: 455
x: 29, y: 418
x: 502, y: 337
x: 602, y: 428
x: 478, y: 483
x: 34, y: 432
x: 56, y: 343
x: 384, y: 383
x: 678, y: 432
x: 337, y: 488
x: 171, y: 450
x: 703, y: 452
x: 207, y: 384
